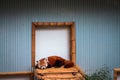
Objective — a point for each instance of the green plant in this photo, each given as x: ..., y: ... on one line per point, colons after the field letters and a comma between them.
x: 102, y: 74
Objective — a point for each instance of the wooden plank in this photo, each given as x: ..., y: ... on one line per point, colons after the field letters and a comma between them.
x: 53, y: 24
x: 117, y: 69
x: 56, y: 70
x: 64, y: 79
x: 40, y: 23
x: 61, y: 76
x: 80, y: 71
x: 46, y: 24
x: 15, y: 73
x: 69, y: 23
x: 60, y: 24
x: 7, y: 74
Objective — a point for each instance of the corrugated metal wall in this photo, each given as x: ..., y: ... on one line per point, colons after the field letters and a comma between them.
x: 97, y: 30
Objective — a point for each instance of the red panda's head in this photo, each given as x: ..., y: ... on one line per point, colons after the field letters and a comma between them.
x: 43, y: 63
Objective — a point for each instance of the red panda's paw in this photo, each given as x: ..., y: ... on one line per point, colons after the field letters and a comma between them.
x: 68, y: 64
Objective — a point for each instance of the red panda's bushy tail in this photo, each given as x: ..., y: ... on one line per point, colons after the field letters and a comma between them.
x: 68, y: 64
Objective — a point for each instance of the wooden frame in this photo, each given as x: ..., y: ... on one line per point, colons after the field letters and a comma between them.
x: 71, y: 26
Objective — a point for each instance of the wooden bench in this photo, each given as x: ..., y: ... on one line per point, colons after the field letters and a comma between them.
x: 8, y: 74
x: 116, y: 72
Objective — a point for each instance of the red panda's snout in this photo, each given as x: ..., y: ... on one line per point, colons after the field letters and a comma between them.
x: 43, y: 67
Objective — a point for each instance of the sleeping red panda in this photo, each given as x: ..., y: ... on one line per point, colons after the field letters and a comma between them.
x: 53, y: 61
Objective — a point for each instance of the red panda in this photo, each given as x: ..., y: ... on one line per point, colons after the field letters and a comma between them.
x: 53, y: 61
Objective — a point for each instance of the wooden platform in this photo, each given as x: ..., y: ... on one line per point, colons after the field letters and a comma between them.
x: 59, y: 74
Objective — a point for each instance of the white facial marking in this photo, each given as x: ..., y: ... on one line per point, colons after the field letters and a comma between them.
x: 43, y: 67
x: 39, y: 64
x: 45, y: 61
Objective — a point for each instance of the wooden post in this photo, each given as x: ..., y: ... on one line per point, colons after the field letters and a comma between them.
x: 73, y: 51
x: 116, y: 72
x: 73, y: 44
x: 32, y: 76
x: 33, y: 45
x: 115, y: 75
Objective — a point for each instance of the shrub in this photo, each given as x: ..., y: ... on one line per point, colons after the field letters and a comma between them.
x: 102, y: 74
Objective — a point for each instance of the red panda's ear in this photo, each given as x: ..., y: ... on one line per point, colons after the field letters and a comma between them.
x: 36, y: 65
x: 46, y: 59
x: 36, y: 61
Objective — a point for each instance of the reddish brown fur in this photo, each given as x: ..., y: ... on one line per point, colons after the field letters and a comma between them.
x: 56, y: 61
x: 52, y: 61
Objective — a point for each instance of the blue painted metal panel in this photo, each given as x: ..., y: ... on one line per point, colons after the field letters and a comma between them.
x: 97, y: 31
